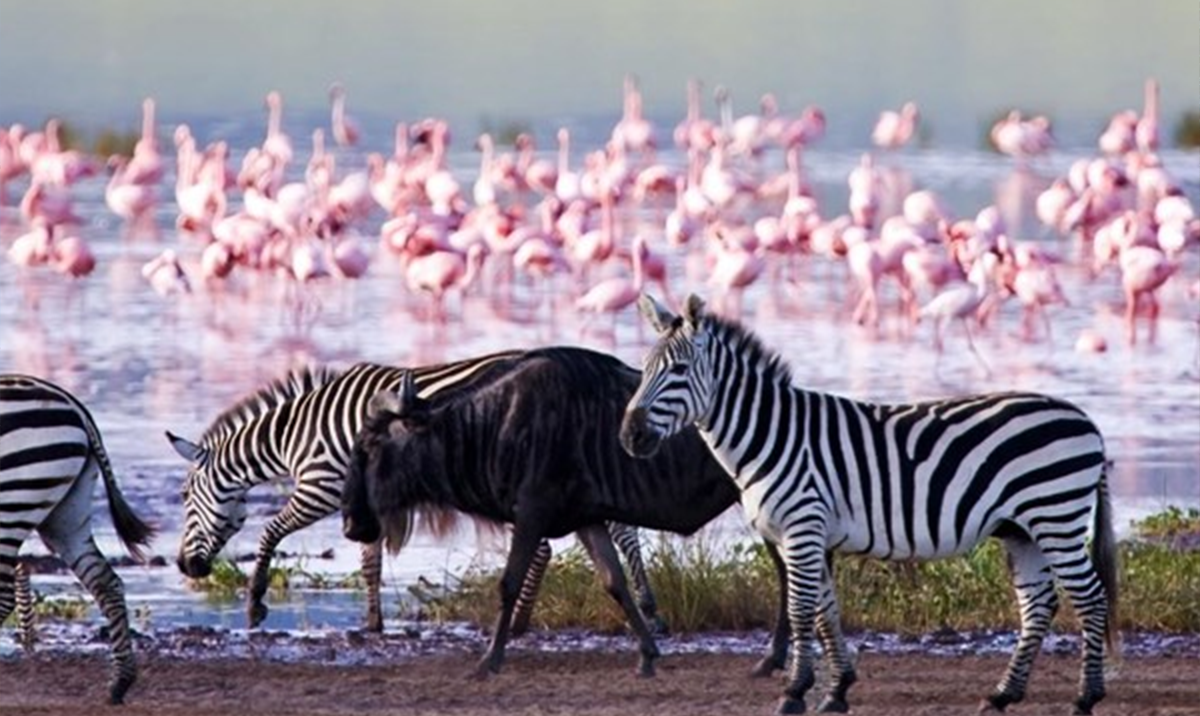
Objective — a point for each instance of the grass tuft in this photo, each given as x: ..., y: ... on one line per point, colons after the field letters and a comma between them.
x: 1187, y: 132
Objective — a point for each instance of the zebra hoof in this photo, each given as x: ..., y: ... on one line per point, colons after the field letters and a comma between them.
x: 833, y: 706
x: 116, y: 693
x: 646, y: 669
x: 996, y: 703
x: 257, y: 613
x: 789, y: 705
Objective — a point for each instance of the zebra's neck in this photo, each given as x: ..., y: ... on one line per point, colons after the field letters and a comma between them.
x: 748, y: 392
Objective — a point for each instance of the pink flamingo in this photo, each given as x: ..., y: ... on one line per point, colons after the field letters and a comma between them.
x: 894, y: 129
x: 567, y: 186
x: 129, y: 200
x: 345, y: 129
x: 633, y: 133
x: 484, y: 189
x: 51, y: 202
x: 216, y: 262
x: 350, y: 258
x: 34, y: 247
x: 1118, y: 138
x: 960, y: 302
x: 166, y: 275
x: 538, y: 174
x: 1036, y: 286
x: 1090, y: 341
x: 694, y: 132
x: 277, y: 144
x: 146, y: 165
x: 1143, y: 270
x: 442, y: 271
x: 1146, y: 131
x: 735, y: 267
x: 613, y: 295
x: 73, y: 257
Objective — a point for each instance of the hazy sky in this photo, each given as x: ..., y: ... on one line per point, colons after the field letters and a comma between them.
x: 524, y: 59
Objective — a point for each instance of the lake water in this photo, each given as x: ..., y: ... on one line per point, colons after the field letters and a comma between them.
x: 144, y: 364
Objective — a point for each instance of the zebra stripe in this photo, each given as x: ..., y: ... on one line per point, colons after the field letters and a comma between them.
x: 304, y: 425
x: 821, y: 473
x: 50, y: 456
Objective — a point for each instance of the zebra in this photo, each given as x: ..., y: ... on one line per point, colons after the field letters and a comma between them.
x: 50, y: 455
x: 303, y: 425
x: 821, y: 474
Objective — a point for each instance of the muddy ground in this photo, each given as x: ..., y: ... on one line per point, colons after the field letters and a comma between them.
x: 597, y: 682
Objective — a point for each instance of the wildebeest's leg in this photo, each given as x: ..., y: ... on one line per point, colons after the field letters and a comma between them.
x: 525, y: 541
x: 523, y: 611
x: 599, y: 545
x: 829, y: 630
x: 372, y: 569
x: 311, y: 500
x: 776, y: 658
x: 626, y: 539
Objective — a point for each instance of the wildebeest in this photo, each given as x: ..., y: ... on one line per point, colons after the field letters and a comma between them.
x: 534, y: 445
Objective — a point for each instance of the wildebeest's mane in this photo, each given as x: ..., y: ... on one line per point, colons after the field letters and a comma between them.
x: 270, y: 396
x: 731, y: 332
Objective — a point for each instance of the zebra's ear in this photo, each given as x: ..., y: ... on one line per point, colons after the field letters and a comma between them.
x: 187, y: 449
x: 693, y: 310
x: 660, y: 318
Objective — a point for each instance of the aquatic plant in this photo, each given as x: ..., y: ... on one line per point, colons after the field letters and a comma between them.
x: 700, y: 588
x: 1187, y: 131
x: 505, y: 131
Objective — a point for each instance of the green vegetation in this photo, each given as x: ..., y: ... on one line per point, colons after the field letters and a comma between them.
x: 227, y: 579
x: 1187, y: 132
x: 701, y: 589
x: 504, y: 131
x: 104, y: 143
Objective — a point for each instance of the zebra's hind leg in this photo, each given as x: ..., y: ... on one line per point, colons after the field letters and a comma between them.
x: 630, y: 545
x: 776, y: 658
x: 600, y: 547
x: 25, y: 612
x: 1038, y: 602
x: 372, y: 570
x: 829, y: 630
x: 92, y: 569
x: 523, y: 611
x: 1076, y: 573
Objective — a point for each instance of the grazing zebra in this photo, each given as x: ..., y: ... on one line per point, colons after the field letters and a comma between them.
x: 303, y: 425
x: 820, y: 473
x: 50, y: 456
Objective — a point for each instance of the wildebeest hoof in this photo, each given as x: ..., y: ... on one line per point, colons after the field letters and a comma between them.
x: 833, y: 705
x: 789, y: 705
x: 257, y: 613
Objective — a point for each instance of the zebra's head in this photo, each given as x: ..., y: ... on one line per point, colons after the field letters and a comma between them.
x: 213, y: 512
x: 676, y: 388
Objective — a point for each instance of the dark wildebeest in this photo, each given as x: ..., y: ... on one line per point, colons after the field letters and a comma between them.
x: 535, y: 445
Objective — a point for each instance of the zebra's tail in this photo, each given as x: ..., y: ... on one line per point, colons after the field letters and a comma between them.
x: 133, y: 531
x: 1104, y: 558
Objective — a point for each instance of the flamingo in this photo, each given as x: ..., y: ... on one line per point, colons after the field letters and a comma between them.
x: 146, y: 165
x: 894, y: 129
x: 567, y: 186
x: 32, y: 248
x: 1143, y: 270
x: 345, y: 129
x: 166, y: 276
x: 128, y: 199
x: 633, y: 133
x: 73, y: 257
x: 1146, y: 131
x: 613, y: 295
x: 736, y: 266
x: 961, y: 302
x: 484, y: 189
x: 538, y: 174
x: 441, y: 271
x: 277, y: 144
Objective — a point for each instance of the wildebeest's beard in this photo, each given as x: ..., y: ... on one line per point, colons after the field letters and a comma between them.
x: 405, y: 473
x: 359, y: 522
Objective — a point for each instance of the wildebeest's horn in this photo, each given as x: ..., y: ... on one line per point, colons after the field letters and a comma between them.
x: 385, y: 401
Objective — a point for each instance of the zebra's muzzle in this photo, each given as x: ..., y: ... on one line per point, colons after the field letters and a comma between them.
x: 638, y: 438
x: 194, y: 566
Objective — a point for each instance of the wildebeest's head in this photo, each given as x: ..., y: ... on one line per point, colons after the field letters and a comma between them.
x: 676, y: 385
x: 392, y: 455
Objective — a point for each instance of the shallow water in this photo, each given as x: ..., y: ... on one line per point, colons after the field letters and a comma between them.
x: 144, y: 364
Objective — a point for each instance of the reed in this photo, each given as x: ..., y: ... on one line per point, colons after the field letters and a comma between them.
x: 1187, y: 132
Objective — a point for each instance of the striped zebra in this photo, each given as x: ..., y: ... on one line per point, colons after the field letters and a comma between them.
x: 50, y: 456
x: 821, y: 474
x: 303, y: 425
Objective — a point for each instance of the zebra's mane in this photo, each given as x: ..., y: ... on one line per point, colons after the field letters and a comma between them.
x: 747, y: 344
x: 275, y: 393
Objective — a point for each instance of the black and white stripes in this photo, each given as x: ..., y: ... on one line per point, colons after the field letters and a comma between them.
x: 821, y: 473
x: 50, y: 456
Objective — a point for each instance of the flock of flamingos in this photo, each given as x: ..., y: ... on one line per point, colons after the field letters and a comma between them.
x: 526, y: 218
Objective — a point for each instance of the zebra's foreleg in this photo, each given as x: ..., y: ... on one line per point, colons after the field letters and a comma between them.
x: 93, y: 570
x: 1038, y: 602
x: 523, y: 611
x: 8, y: 578
x: 295, y: 515
x: 372, y: 569
x: 25, y: 612
x: 627, y: 541
x: 804, y: 562
x: 829, y: 630
x: 776, y: 658
x: 600, y: 547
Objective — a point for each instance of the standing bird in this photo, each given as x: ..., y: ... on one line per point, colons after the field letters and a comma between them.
x: 894, y: 129
x: 961, y: 302
x: 345, y: 129
x: 613, y: 295
x: 1143, y: 270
